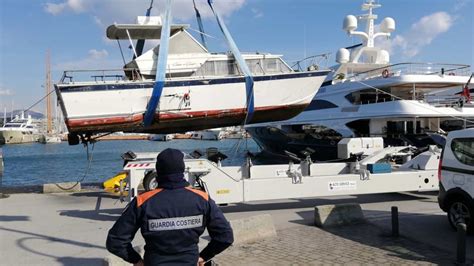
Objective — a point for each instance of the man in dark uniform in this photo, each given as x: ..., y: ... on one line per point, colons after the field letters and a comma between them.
x: 171, y: 219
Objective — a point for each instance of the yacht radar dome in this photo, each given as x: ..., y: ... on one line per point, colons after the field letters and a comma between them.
x: 388, y: 25
x: 350, y: 23
x: 342, y: 56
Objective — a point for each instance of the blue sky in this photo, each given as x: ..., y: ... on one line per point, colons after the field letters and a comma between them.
x: 74, y: 31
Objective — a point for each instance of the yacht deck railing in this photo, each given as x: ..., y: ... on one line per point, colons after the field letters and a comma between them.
x: 413, y: 69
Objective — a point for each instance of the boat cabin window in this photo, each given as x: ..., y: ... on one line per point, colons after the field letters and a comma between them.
x: 394, y: 93
x: 229, y: 67
x: 13, y: 125
x: 319, y: 131
x: 319, y: 105
x: 368, y: 96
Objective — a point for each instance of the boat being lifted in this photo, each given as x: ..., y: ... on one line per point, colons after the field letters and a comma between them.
x: 181, y: 87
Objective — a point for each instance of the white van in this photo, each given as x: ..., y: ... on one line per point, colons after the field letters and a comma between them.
x: 456, y: 178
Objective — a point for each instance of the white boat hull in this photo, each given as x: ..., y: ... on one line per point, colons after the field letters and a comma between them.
x: 185, y: 105
x: 17, y: 137
x: 45, y: 139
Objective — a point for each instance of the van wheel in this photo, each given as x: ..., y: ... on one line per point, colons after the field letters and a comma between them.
x: 149, y: 181
x: 459, y: 211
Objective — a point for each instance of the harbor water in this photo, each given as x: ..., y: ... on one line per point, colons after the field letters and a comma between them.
x: 36, y: 164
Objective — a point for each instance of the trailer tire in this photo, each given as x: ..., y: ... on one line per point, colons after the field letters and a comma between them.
x: 149, y: 181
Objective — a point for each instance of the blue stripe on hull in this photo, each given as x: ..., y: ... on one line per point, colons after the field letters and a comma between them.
x: 143, y: 85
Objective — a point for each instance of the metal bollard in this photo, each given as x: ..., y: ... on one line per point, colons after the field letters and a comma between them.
x: 2, y: 195
x: 461, y: 239
x: 395, y: 230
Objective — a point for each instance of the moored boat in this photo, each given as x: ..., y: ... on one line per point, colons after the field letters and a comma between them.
x: 19, y: 130
x: 368, y: 96
x: 49, y: 138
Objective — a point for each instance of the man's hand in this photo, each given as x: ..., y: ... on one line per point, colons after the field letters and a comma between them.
x: 200, y: 262
x: 140, y: 263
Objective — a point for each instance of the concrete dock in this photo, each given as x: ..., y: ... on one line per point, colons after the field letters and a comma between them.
x: 70, y: 229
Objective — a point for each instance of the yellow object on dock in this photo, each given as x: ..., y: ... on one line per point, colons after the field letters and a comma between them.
x: 113, y: 184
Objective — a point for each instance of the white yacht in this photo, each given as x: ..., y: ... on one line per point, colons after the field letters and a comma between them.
x: 161, y: 137
x: 366, y: 95
x: 209, y: 134
x: 200, y: 89
x: 21, y: 129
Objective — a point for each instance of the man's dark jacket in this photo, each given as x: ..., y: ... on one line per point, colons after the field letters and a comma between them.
x: 171, y: 219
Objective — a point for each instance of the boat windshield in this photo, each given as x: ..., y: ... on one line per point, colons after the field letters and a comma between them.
x: 408, y: 91
x: 13, y: 125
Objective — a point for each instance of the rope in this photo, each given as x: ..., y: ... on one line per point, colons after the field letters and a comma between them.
x: 205, y: 34
x: 121, y: 52
x: 89, y: 166
x: 40, y: 100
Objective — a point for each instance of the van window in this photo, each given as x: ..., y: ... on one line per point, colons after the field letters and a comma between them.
x: 463, y: 150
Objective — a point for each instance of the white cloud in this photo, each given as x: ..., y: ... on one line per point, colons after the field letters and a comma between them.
x: 76, y: 6
x: 109, y: 11
x: 95, y: 59
x: 257, y: 13
x: 420, y: 34
x: 55, y: 9
x: 96, y: 55
x: 460, y: 4
x: 5, y: 92
x: 98, y: 21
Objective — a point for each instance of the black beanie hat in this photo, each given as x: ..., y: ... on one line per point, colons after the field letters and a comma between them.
x: 170, y: 165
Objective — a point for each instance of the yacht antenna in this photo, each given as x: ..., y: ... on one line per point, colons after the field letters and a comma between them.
x: 376, y: 55
x: 370, y: 5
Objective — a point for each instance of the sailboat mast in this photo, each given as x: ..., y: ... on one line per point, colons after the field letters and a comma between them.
x: 4, y: 115
x: 47, y: 86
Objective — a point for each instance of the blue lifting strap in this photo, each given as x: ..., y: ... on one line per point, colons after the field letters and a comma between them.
x: 160, y: 68
x: 201, y: 27
x: 241, y: 62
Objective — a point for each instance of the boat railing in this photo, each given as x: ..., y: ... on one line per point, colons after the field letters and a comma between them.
x: 413, y: 69
x: 446, y: 101
x: 313, y: 62
x: 99, y: 76
x: 207, y: 69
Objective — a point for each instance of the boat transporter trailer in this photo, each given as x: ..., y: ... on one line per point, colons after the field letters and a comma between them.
x: 235, y: 184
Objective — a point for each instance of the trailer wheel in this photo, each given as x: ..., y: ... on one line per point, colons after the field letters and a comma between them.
x: 149, y: 181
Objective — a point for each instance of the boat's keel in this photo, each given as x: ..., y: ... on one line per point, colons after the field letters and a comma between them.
x: 82, y: 130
